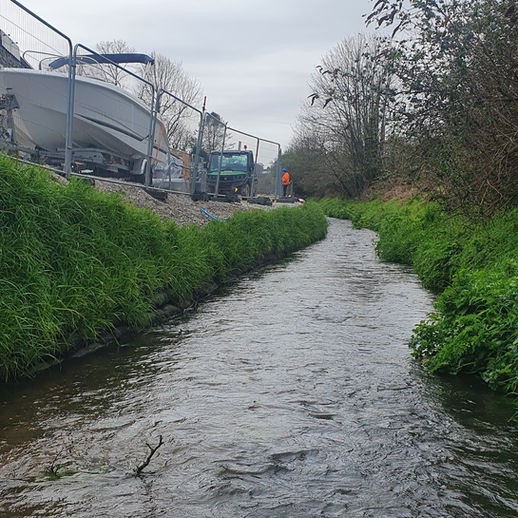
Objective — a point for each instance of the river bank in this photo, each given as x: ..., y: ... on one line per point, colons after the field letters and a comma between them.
x: 78, y: 263
x: 471, y: 266
x: 179, y: 208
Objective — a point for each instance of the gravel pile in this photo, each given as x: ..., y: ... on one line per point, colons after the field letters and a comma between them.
x: 178, y: 207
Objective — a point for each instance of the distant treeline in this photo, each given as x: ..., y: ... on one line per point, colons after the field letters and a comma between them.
x: 77, y: 263
x: 434, y: 105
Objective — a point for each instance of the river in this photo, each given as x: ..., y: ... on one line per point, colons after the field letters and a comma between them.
x: 291, y: 394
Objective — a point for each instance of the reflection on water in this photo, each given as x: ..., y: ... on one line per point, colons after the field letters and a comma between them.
x: 293, y: 394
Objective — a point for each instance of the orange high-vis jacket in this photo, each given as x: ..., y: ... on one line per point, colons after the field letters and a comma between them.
x: 285, y: 178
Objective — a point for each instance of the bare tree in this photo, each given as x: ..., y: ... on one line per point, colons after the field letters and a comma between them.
x: 347, y: 115
x: 177, y: 116
x: 213, y: 133
x: 110, y: 73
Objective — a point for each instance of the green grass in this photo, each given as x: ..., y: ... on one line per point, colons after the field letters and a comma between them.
x: 75, y: 263
x: 471, y: 266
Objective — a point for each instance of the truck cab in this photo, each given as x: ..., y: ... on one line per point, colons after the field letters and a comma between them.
x: 236, y: 172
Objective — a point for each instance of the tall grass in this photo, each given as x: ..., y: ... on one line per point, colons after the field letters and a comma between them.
x: 75, y: 263
x: 473, y: 267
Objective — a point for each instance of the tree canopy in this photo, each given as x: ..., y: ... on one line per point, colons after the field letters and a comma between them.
x: 442, y: 89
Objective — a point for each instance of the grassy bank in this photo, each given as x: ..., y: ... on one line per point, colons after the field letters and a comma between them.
x: 473, y: 267
x: 76, y: 263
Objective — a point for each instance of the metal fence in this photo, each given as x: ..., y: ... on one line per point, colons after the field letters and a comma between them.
x: 141, y: 116
x: 184, y: 126
x: 35, y: 37
x: 218, y: 137
x: 172, y: 140
x: 28, y: 38
x: 267, y: 161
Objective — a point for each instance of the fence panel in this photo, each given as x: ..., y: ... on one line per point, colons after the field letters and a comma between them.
x: 182, y: 122
x: 266, y: 160
x: 29, y: 39
x: 115, y: 130
x: 33, y: 113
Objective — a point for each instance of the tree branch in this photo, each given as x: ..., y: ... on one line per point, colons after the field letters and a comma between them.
x: 139, y: 468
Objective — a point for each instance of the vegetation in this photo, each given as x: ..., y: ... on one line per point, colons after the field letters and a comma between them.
x: 214, y: 134
x: 75, y: 263
x: 340, y: 136
x: 435, y: 104
x: 473, y: 268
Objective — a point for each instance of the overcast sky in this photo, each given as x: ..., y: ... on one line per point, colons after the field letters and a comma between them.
x: 252, y: 58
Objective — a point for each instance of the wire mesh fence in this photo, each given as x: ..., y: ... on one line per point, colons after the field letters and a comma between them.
x: 182, y: 123
x: 27, y: 39
x: 266, y: 157
x: 237, y: 161
x: 93, y: 113
x: 114, y: 131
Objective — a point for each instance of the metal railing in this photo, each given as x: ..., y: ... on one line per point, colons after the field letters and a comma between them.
x: 204, y: 132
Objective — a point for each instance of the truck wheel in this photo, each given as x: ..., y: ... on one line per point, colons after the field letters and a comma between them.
x: 245, y: 191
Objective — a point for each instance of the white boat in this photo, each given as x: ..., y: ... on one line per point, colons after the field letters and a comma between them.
x: 105, y: 116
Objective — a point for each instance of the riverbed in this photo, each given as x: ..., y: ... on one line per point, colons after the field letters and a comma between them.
x: 291, y: 393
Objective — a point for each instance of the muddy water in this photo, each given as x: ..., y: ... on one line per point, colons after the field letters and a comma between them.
x: 293, y: 394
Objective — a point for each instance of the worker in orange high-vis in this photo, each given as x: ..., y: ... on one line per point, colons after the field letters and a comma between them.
x: 285, y: 180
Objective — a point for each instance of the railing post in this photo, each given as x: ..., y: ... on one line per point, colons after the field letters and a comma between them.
x: 278, y: 189
x: 255, y: 167
x: 194, y: 169
x: 151, y: 137
x: 70, y: 112
x: 216, y: 191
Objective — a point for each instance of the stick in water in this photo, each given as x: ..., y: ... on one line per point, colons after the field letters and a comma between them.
x: 149, y: 457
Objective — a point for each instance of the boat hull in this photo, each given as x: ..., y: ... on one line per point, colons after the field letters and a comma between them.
x: 105, y: 116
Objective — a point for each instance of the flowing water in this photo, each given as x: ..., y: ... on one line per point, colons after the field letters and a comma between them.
x: 292, y: 394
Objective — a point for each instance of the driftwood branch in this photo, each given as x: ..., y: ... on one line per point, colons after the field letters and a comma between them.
x: 152, y: 451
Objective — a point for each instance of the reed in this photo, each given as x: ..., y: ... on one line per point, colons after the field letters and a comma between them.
x: 76, y: 263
